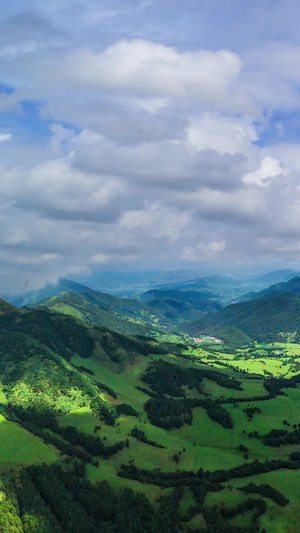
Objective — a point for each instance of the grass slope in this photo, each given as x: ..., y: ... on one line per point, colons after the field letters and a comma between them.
x: 84, y: 307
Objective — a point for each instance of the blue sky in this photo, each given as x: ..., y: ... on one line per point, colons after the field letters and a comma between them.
x: 142, y: 134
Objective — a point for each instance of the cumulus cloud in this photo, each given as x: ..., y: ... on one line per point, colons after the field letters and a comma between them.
x: 172, y: 163
x: 151, y: 69
x: 57, y: 190
x: 221, y: 133
x: 141, y: 143
x: 159, y: 221
x: 269, y: 169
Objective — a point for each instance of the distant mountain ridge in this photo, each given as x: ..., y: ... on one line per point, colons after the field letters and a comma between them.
x: 276, y: 276
x: 225, y: 289
x: 292, y: 285
x: 131, y: 284
x: 274, y: 318
x: 216, y: 290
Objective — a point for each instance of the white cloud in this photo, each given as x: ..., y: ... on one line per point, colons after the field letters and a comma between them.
x: 56, y: 187
x: 157, y: 220
x: 234, y: 207
x: 173, y: 163
x: 151, y: 69
x: 204, y: 251
x: 35, y: 259
x: 271, y: 77
x: 98, y: 259
x: 223, y: 134
x: 269, y: 169
x: 5, y: 137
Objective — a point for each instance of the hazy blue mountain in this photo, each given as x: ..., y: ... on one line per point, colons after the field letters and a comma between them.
x: 191, y: 296
x: 218, y: 288
x: 134, y: 283
x: 63, y: 286
x: 276, y: 276
x: 180, y: 305
x: 293, y: 285
x: 228, y: 289
x: 221, y: 288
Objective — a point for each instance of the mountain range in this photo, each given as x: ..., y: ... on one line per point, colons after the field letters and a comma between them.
x: 195, y: 307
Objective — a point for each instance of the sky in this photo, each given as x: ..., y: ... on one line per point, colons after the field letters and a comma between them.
x: 147, y: 134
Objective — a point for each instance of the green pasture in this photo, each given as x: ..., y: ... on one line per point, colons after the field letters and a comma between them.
x: 186, y: 501
x: 122, y: 383
x: 204, y: 444
x: 251, y: 387
x: 231, y: 497
x: 259, y: 363
x: 197, y: 522
x: 19, y: 447
x: 278, y: 519
x: 106, y: 472
x: 207, y: 444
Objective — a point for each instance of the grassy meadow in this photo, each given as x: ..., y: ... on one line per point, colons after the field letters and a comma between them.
x: 204, y: 443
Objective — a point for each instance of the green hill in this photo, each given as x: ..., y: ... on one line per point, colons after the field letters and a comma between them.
x: 126, y: 315
x: 101, y: 309
x: 268, y: 319
x: 66, y: 336
x: 5, y: 307
x: 194, y: 297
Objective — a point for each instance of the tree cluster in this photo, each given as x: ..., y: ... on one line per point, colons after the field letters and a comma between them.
x: 174, y: 413
x: 167, y: 378
x: 63, y: 502
x: 250, y: 411
x: 140, y: 435
x: 279, y: 437
x: 267, y: 491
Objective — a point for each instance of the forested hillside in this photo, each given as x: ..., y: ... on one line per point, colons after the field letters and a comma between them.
x: 268, y: 319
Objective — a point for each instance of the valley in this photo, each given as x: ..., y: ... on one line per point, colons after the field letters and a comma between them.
x: 107, y: 403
